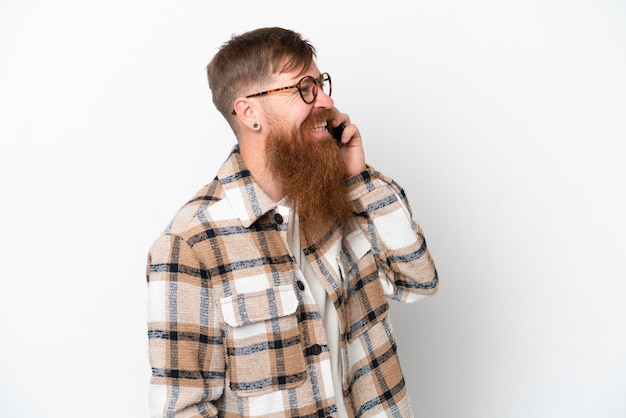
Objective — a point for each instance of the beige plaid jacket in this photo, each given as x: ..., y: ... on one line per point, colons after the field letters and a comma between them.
x: 233, y: 330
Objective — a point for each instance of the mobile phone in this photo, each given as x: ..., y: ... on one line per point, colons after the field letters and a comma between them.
x: 336, y: 133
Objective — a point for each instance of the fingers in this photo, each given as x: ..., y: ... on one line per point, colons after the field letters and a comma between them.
x: 352, y: 144
x: 350, y: 131
x: 339, y: 119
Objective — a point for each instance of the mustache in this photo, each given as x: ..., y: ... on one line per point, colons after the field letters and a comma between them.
x: 317, y: 117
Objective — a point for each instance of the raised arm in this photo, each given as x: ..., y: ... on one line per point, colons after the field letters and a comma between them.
x: 398, y: 243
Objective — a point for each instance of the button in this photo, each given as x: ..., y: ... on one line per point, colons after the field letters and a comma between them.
x: 315, y: 349
x: 300, y: 284
x: 278, y: 218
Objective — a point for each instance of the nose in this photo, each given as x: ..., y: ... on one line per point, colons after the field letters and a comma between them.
x: 323, y: 100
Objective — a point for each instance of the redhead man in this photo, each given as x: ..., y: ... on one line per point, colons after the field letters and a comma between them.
x: 268, y: 291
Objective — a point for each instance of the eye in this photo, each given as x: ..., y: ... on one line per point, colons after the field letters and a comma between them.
x: 308, y: 86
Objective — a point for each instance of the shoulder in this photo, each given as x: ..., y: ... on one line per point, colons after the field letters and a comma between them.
x: 197, y: 212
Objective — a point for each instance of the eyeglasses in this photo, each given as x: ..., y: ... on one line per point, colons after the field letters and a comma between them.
x: 308, y: 88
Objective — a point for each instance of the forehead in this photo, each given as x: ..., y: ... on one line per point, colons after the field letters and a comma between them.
x: 292, y: 77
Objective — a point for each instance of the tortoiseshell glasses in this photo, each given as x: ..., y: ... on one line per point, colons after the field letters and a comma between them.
x: 307, y: 87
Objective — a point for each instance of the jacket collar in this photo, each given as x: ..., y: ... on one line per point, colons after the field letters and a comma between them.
x: 245, y: 195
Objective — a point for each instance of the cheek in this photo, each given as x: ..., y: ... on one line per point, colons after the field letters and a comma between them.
x: 293, y: 119
x: 296, y: 110
x: 292, y: 113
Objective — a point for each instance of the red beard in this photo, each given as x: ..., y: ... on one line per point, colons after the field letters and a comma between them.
x: 311, y: 173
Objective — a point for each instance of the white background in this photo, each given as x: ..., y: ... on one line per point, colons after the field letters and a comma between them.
x: 505, y: 121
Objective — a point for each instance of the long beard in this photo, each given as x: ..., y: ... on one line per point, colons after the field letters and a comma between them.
x: 311, y: 173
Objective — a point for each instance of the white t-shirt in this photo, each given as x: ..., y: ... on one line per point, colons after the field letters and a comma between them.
x: 325, y: 306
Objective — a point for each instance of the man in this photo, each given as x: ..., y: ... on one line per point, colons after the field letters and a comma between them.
x: 268, y: 290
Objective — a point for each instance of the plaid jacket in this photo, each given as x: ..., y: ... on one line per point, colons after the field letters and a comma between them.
x: 233, y: 331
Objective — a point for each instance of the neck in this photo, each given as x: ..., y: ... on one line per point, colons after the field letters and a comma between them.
x: 253, y: 156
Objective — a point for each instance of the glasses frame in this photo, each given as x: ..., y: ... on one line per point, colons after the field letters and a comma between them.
x: 319, y: 82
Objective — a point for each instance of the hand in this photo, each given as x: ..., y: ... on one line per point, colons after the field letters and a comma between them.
x: 352, y: 149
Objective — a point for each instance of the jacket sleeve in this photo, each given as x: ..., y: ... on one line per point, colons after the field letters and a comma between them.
x: 185, y: 343
x: 407, y: 271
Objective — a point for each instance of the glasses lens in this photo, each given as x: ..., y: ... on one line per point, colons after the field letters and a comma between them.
x: 308, y: 89
x: 326, y: 85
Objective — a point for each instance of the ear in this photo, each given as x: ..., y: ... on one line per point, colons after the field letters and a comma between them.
x: 247, y: 112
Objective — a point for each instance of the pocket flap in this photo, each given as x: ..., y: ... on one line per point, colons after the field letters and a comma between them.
x: 247, y: 308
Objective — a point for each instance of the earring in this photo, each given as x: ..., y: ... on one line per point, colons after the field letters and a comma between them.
x: 256, y: 125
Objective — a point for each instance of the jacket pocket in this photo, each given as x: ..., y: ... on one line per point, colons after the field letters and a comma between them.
x: 263, y: 343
